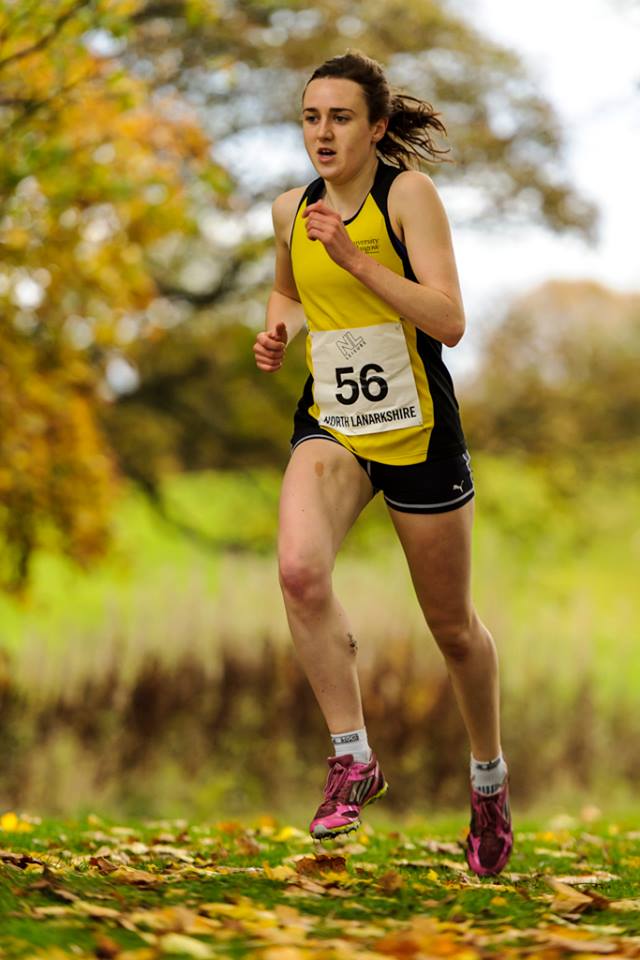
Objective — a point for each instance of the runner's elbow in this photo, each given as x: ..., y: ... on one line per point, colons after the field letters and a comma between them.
x: 455, y: 332
x: 452, y: 339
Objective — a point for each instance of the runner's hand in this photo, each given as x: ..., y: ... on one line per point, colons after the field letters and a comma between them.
x: 269, y: 348
x: 326, y: 225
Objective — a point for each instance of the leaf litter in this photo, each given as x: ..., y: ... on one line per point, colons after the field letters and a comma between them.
x: 149, y: 890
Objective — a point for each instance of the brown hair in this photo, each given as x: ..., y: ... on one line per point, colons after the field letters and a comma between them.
x: 406, y: 141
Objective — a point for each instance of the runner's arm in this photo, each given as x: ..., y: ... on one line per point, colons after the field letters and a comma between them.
x: 434, y: 304
x: 285, y: 315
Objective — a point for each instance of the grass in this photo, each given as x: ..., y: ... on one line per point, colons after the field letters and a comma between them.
x: 261, y: 887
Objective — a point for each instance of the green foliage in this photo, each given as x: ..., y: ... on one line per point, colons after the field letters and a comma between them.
x: 557, y: 379
x: 202, y: 404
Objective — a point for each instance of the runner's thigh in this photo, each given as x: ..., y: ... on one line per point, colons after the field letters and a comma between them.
x: 438, y: 551
x: 323, y: 491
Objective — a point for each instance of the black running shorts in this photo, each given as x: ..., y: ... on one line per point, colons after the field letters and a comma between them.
x: 433, y: 486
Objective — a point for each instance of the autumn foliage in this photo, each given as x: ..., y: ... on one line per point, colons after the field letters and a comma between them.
x: 93, y: 173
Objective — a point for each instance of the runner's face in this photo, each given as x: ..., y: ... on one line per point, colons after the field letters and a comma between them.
x: 337, y: 134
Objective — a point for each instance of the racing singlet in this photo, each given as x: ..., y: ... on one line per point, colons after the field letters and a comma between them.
x: 377, y: 383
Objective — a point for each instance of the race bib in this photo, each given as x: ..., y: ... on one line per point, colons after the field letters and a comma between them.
x: 363, y: 381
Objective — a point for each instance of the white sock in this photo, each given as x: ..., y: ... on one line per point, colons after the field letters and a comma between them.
x: 487, y: 776
x: 353, y: 741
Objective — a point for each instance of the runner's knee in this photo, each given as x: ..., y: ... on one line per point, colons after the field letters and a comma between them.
x: 304, y: 582
x: 455, y: 636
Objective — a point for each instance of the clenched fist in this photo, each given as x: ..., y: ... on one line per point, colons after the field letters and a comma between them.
x: 269, y: 348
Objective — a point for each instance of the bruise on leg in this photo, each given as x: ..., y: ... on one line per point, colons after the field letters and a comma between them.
x: 353, y: 643
x: 319, y: 468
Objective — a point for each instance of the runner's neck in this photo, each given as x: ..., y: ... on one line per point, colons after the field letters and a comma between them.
x: 347, y: 199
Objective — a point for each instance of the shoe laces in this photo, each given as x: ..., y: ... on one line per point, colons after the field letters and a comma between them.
x: 336, y: 789
x: 488, y: 813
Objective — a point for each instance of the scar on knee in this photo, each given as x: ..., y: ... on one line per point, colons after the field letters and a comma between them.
x: 319, y: 469
x: 353, y: 643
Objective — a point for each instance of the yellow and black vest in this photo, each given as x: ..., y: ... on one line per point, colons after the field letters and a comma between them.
x: 359, y: 396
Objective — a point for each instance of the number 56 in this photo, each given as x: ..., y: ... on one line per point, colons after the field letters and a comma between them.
x: 373, y: 388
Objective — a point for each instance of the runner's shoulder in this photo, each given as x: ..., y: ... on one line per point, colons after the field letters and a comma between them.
x: 411, y: 188
x: 413, y: 183
x: 283, y: 210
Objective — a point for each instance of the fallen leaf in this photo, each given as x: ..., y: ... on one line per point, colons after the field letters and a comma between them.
x: 175, y: 853
x: 437, y: 846
x: 624, y: 905
x: 426, y: 937
x: 19, y: 859
x: 137, y: 847
x: 179, y: 943
x: 287, y: 833
x: 567, y: 900
x: 95, y: 911
x: 390, y: 881
x: 597, y: 876
x: 320, y: 864
x: 305, y: 887
x: 430, y: 864
x: 52, y: 911
x: 576, y: 941
x: 229, y: 826
x: 365, y: 868
x: 280, y: 872
x: 249, y: 847
x: 128, y: 875
x: 284, y: 953
x: 354, y: 847
x: 176, y: 919
x: 102, y: 864
x: 106, y: 948
x: 560, y: 854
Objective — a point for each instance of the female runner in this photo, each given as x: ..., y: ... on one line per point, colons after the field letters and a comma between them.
x: 364, y: 258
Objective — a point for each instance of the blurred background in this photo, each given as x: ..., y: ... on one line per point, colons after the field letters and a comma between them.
x: 145, y: 663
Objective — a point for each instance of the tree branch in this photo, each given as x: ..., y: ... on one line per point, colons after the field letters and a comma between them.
x: 43, y: 41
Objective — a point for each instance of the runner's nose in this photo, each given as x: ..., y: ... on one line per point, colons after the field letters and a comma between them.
x: 324, y: 130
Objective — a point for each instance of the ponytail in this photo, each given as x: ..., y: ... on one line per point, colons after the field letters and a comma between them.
x: 407, y: 141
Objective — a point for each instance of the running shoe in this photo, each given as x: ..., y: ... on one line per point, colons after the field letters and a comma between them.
x: 490, y: 836
x: 350, y: 786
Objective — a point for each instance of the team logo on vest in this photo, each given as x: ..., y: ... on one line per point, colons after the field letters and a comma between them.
x: 370, y: 246
x: 349, y: 345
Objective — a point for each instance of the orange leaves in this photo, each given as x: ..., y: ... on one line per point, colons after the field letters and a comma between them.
x: 428, y: 937
x: 390, y: 882
x: 94, y: 172
x: 568, y: 901
x: 321, y: 864
x: 316, y: 875
x: 55, y: 475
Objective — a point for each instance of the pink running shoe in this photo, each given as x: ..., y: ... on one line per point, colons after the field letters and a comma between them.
x: 349, y: 787
x: 490, y: 836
